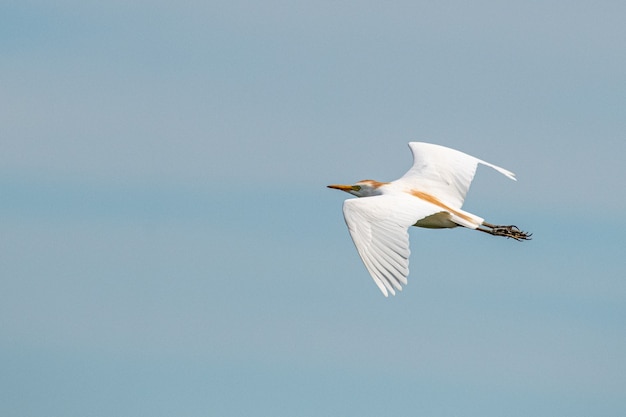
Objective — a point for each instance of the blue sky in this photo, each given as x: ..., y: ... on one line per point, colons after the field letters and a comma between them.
x: 168, y: 246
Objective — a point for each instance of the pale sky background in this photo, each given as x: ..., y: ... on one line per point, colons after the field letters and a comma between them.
x: 168, y: 246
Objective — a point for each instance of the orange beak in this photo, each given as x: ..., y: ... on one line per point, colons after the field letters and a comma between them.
x: 346, y: 188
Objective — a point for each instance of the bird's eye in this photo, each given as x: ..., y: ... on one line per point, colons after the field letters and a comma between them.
x: 356, y: 187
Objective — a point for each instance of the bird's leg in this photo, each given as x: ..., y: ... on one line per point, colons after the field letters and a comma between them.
x: 506, y: 231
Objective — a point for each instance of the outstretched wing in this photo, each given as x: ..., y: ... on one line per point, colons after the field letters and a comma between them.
x: 443, y: 172
x: 379, y: 229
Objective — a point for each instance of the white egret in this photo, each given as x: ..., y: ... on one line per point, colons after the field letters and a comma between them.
x: 429, y: 195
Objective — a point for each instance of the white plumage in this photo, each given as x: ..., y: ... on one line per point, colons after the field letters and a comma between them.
x: 429, y: 195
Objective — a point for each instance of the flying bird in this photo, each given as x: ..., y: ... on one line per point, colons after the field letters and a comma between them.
x: 429, y: 195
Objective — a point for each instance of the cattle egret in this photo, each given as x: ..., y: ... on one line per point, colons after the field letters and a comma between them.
x: 429, y: 195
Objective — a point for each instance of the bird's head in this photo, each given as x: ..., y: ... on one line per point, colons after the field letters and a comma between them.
x: 364, y: 188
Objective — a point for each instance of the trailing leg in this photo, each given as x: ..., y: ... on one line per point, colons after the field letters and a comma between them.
x: 507, y: 231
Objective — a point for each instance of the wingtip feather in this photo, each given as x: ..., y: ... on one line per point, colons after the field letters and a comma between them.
x: 501, y: 170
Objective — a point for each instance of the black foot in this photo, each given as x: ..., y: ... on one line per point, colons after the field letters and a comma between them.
x: 512, y: 232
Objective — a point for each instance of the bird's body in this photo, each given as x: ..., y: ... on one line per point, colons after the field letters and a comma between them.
x: 429, y: 195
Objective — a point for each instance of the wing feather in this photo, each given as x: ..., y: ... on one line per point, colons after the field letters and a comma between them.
x: 379, y: 226
x: 388, y: 256
x: 446, y: 173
